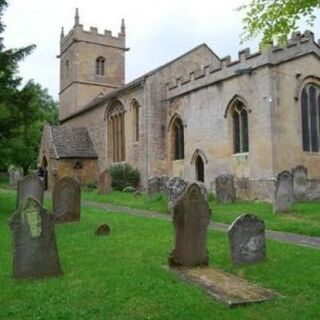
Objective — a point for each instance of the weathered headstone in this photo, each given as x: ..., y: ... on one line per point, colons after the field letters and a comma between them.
x: 105, y: 181
x: 247, y: 239
x: 191, y: 216
x: 283, y: 198
x: 153, y: 186
x: 225, y: 190
x: 175, y: 188
x: 300, y: 182
x: 29, y: 186
x: 103, y: 230
x: 15, y: 174
x: 35, y: 253
x: 66, y: 200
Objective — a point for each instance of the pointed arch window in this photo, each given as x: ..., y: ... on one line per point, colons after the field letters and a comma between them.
x: 116, y: 132
x: 178, y: 139
x: 310, y: 117
x: 100, y: 66
x: 240, y: 127
x: 135, y: 120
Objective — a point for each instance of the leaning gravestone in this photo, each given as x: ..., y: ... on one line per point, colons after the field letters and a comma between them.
x: 283, y: 197
x: 66, y: 200
x: 29, y: 186
x: 247, y: 240
x: 15, y: 174
x: 300, y: 181
x: 105, y: 181
x: 191, y: 216
x: 225, y: 190
x: 35, y: 253
x: 175, y: 188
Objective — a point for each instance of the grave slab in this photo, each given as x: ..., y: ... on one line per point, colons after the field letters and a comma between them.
x: 230, y: 289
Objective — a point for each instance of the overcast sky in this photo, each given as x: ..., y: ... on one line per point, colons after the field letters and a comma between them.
x: 157, y: 31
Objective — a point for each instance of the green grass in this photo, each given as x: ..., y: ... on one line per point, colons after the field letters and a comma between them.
x: 304, y: 218
x: 122, y: 276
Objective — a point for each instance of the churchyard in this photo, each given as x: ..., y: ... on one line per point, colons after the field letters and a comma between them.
x: 125, y: 274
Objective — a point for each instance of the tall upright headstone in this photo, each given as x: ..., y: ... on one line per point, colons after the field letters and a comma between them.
x: 283, y: 197
x: 175, y: 188
x: 300, y: 182
x: 191, y: 216
x: 247, y: 239
x: 35, y: 253
x: 105, y: 181
x: 66, y: 200
x: 29, y: 186
x: 225, y: 190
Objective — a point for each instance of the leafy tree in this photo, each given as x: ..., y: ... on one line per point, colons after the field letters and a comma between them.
x: 23, y: 111
x: 276, y: 19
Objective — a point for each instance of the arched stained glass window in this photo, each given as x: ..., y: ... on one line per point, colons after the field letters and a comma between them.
x: 240, y: 128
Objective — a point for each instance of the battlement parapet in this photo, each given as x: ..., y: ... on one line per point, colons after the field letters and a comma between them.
x: 298, y: 45
x: 78, y: 33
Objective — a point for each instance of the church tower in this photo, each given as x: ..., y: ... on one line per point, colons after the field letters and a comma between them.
x: 90, y: 63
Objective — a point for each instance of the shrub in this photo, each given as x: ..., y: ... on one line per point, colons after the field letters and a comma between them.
x: 90, y: 187
x: 123, y: 175
x: 129, y: 189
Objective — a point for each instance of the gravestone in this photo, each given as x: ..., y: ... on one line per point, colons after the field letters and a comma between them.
x: 66, y: 200
x: 153, y: 186
x: 29, y: 186
x: 191, y: 216
x: 103, y: 230
x: 283, y: 197
x: 300, y: 181
x: 225, y: 190
x: 175, y: 188
x: 35, y: 253
x: 15, y: 174
x: 105, y: 181
x: 247, y: 239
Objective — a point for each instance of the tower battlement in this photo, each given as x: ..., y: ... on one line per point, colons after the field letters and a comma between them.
x: 78, y: 34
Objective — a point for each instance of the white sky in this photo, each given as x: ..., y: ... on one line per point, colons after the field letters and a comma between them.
x: 157, y: 31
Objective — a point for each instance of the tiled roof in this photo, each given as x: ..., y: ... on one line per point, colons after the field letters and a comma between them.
x: 72, y: 142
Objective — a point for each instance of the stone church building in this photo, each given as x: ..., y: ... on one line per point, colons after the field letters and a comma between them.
x: 196, y: 116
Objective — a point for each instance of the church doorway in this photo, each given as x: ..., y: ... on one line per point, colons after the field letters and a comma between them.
x: 199, y: 169
x: 45, y: 172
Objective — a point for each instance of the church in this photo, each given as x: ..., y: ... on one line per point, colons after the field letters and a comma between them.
x: 196, y: 116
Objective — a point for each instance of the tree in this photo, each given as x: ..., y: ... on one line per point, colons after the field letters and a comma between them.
x: 23, y: 111
x: 276, y: 19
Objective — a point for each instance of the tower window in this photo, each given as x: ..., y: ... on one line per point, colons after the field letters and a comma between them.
x: 310, y: 117
x: 100, y: 66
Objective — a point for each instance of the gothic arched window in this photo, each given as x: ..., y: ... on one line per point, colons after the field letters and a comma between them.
x: 178, y: 139
x: 310, y: 117
x: 116, y: 132
x: 100, y: 66
x: 240, y: 128
x: 135, y: 120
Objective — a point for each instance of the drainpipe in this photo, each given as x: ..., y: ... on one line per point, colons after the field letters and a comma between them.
x: 146, y: 154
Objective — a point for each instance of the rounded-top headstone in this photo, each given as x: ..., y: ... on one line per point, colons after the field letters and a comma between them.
x: 29, y: 186
x: 247, y: 239
x: 66, y: 200
x: 103, y: 230
x: 283, y: 197
x: 300, y: 182
x: 225, y: 190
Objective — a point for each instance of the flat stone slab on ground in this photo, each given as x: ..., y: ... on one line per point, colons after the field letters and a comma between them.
x: 230, y: 289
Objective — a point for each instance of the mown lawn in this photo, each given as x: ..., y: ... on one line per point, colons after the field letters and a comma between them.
x: 122, y: 276
x: 304, y: 218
